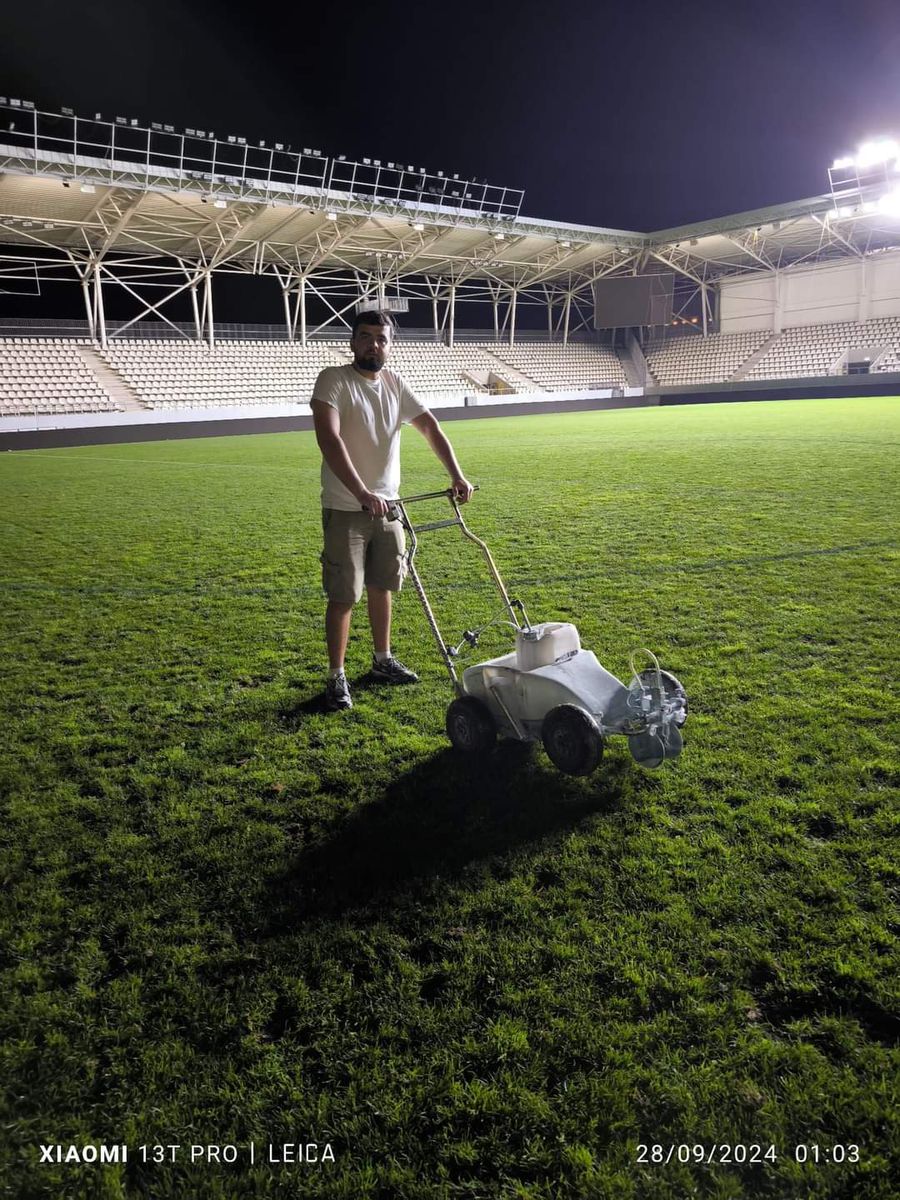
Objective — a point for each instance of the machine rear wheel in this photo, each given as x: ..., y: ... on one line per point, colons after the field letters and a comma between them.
x: 572, y: 739
x: 470, y: 726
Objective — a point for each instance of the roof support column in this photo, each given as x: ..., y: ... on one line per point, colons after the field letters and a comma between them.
x: 452, y: 325
x: 301, y: 300
x: 863, y: 314
x: 512, y: 317
x: 288, y: 319
x: 568, y: 309
x: 196, y: 310
x: 86, y: 293
x: 704, y: 304
x: 208, y: 309
x: 99, y: 311
x: 778, y: 314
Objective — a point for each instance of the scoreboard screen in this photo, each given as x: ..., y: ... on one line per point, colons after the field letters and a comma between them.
x: 621, y: 301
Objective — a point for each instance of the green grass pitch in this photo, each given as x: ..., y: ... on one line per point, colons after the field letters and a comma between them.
x: 230, y: 918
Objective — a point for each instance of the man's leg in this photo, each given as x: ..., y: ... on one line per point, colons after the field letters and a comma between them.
x: 379, y: 602
x: 343, y: 558
x: 337, y: 632
x: 385, y: 568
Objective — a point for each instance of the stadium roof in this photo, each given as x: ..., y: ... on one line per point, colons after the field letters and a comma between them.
x: 139, y: 214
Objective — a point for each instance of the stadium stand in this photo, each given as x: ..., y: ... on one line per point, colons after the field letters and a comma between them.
x: 48, y: 375
x: 51, y: 375
x: 553, y: 367
x: 811, y: 350
x: 188, y: 374
x: 694, y: 359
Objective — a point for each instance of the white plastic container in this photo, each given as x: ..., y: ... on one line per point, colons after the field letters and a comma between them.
x: 543, y: 645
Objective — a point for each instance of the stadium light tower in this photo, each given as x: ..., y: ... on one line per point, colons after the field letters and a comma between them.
x: 861, y: 178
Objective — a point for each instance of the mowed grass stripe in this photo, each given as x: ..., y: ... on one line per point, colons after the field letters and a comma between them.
x: 230, y: 916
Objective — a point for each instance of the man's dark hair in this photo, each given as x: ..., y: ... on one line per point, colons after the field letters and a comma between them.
x: 374, y: 317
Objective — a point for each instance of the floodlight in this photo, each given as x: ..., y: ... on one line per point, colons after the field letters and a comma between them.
x: 66, y: 112
x: 872, y: 154
x: 565, y: 245
x: 418, y: 226
x: 135, y: 121
x: 279, y: 146
x: 367, y: 162
x: 376, y: 162
x: 121, y: 121
x: 15, y: 103
x: 156, y: 125
x: 330, y: 216
x: 231, y: 138
x: 242, y: 141
x: 499, y: 237
x: 88, y: 189
x: 97, y: 116
x: 219, y: 204
x: 889, y: 204
x: 28, y: 104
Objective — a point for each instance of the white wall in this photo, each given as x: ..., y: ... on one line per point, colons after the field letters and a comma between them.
x: 850, y: 290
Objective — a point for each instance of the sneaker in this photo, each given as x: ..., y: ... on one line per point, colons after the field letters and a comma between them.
x: 391, y: 670
x: 337, y: 693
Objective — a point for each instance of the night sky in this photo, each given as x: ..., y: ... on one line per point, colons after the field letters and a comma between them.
x: 639, y: 116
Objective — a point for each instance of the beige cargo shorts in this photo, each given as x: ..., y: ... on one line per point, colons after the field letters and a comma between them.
x: 360, y: 550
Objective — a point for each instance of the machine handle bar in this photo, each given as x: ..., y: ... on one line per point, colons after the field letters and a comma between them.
x: 428, y: 496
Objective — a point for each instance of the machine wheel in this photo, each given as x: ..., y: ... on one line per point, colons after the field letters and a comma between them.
x: 572, y: 740
x: 470, y: 726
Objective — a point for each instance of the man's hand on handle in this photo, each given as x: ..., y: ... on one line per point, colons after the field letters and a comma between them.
x: 462, y: 489
x: 374, y: 504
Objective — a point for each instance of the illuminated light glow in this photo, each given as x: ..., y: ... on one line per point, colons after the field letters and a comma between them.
x: 876, y: 153
x: 872, y: 154
x: 889, y: 204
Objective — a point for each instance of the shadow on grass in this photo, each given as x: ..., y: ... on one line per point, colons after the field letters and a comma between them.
x: 292, y: 715
x: 435, y: 821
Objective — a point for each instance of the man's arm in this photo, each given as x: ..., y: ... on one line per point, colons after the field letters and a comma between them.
x: 327, y: 424
x: 436, y: 438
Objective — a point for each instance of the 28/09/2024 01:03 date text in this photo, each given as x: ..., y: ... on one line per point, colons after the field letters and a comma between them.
x: 740, y: 1153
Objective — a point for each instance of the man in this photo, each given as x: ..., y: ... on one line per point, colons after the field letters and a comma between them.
x: 358, y: 410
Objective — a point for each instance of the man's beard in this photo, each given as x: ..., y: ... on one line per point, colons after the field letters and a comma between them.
x: 369, y: 364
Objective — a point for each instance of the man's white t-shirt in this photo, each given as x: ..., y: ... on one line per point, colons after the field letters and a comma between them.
x: 371, y: 413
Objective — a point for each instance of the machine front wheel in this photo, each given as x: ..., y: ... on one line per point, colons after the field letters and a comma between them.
x: 572, y: 739
x: 470, y: 726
